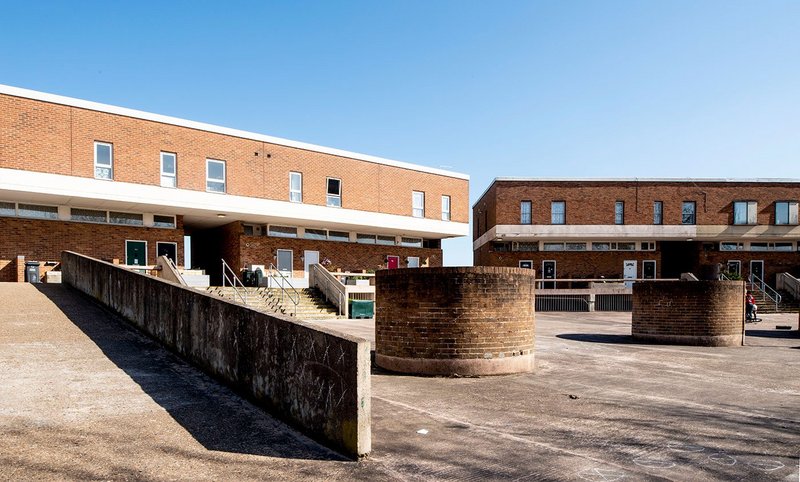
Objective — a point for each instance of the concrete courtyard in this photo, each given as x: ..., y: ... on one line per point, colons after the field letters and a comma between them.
x: 84, y: 396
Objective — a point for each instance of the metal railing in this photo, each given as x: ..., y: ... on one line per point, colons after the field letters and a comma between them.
x: 758, y: 284
x: 330, y: 286
x: 230, y: 276
x: 287, y: 291
x: 790, y: 284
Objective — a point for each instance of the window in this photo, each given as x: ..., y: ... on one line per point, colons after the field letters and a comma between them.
x: 282, y: 231
x: 786, y: 212
x: 315, y: 234
x: 553, y: 246
x: 215, y: 175
x: 601, y: 246
x: 411, y: 242
x: 125, y: 218
x: 445, y: 208
x: 783, y: 246
x: 648, y: 246
x: 658, y: 212
x: 103, y: 160
x: 36, y: 211
x: 525, y: 246
x: 249, y: 229
x: 87, y: 215
x: 418, y: 204
x: 387, y: 240
x: 734, y: 266
x: 744, y: 212
x: 338, y: 236
x: 413, y: 262
x: 169, y: 168
x: 619, y: 212
x: 731, y: 246
x: 334, y: 192
x: 365, y: 238
x: 575, y: 246
x: 688, y: 212
x: 759, y: 246
x: 624, y: 246
x: 525, y: 212
x: 295, y: 187
x: 8, y: 209
x: 160, y: 221
x: 558, y: 212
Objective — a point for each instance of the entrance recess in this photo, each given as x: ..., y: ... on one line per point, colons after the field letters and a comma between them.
x: 649, y: 269
x: 549, y: 272
x: 309, y: 258
x: 629, y: 271
x: 136, y: 253
x: 393, y: 262
x: 170, y: 250
x: 757, y: 269
x: 285, y: 261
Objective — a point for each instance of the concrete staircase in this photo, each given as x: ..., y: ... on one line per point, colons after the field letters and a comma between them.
x: 312, y: 305
x: 766, y: 305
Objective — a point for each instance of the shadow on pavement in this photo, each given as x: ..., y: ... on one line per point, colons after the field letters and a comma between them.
x: 772, y: 333
x: 214, y: 415
x: 598, y: 338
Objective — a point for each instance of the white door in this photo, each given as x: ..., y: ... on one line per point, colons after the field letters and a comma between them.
x: 310, y: 257
x: 629, y: 270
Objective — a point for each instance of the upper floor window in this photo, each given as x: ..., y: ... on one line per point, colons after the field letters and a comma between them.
x: 619, y: 212
x: 103, y: 160
x: 418, y: 204
x: 744, y: 212
x: 786, y: 212
x: 688, y: 212
x: 525, y: 212
x: 445, y: 208
x: 558, y: 212
x: 215, y: 175
x: 334, y: 198
x: 295, y: 187
x: 658, y: 212
x: 169, y: 165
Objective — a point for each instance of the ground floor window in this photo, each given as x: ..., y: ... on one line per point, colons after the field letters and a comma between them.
x: 170, y: 250
x: 413, y: 262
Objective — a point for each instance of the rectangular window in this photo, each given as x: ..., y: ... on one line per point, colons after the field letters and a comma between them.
x: 411, y: 242
x: 36, y: 211
x: 387, y: 240
x: 445, y: 208
x: 619, y: 212
x: 725, y: 246
x: 338, y: 236
x: 575, y: 246
x: 215, y: 175
x: 553, y: 246
x: 282, y: 231
x: 658, y: 212
x: 88, y: 215
x: 525, y: 246
x: 744, y: 212
x: 295, y: 187
x: 249, y: 229
x: 103, y: 160
x: 623, y: 246
x: 759, y: 246
x: 125, y: 218
x: 525, y: 212
x: 558, y: 212
x: 161, y: 221
x: 334, y: 191
x: 365, y: 238
x: 8, y: 209
x: 413, y: 262
x: 688, y: 211
x: 169, y: 169
x: 784, y: 247
x: 601, y: 246
x: 316, y: 234
x: 648, y: 246
x: 418, y: 204
x: 786, y: 212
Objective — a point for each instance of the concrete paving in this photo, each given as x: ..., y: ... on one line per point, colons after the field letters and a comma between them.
x: 86, y: 397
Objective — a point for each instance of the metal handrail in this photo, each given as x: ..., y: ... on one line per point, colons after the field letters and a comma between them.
x: 232, y: 280
x: 759, y: 284
x: 790, y: 284
x: 274, y: 273
x: 333, y: 289
x: 723, y: 277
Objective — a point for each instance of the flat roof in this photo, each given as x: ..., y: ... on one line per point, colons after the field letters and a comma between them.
x: 110, y: 109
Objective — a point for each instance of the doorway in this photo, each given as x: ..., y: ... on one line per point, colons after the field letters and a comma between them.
x: 285, y: 261
x: 393, y: 262
x: 757, y: 270
x: 629, y: 271
x: 649, y: 269
x: 136, y: 253
x: 170, y: 250
x: 549, y: 272
x: 309, y: 258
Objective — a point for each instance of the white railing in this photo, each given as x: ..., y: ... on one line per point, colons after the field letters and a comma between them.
x: 790, y: 284
x: 229, y: 276
x: 330, y: 286
x: 279, y: 280
x: 758, y: 284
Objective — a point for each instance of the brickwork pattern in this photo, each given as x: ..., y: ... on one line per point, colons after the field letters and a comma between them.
x: 455, y: 313
x: 44, y: 137
x: 689, y: 312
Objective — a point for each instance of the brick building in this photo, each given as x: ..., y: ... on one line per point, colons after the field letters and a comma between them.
x: 647, y: 228
x: 117, y: 183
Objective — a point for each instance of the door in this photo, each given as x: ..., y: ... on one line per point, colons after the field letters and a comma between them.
x: 136, y: 253
x: 170, y: 250
x: 309, y: 258
x: 734, y: 267
x: 757, y: 269
x: 393, y: 262
x: 649, y: 269
x: 549, y: 272
x: 526, y: 264
x: 629, y: 271
x: 285, y: 261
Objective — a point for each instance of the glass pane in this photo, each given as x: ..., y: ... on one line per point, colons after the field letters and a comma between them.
x: 626, y: 246
x: 7, y: 209
x: 283, y: 231
x: 103, y: 154
x: 167, y: 163
x: 295, y: 181
x: 365, y: 238
x: 411, y: 242
x: 36, y: 211
x: 316, y: 234
x: 576, y: 246
x: 87, y: 215
x: 554, y: 246
x: 215, y: 186
x: 739, y: 213
x: 792, y: 213
x: 601, y: 246
x: 386, y: 240
x: 163, y: 221
x: 752, y: 212
x: 125, y: 218
x: 335, y: 187
x: 102, y: 172
x: 334, y: 201
x: 338, y: 236
x: 216, y: 171
x: 758, y: 246
x: 784, y: 247
x: 168, y: 181
x: 781, y: 213
x: 413, y: 262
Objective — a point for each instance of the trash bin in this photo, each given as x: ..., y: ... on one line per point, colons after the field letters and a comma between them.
x: 362, y: 309
x: 31, y: 271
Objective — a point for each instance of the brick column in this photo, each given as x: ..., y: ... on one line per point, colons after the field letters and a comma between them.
x: 20, y: 269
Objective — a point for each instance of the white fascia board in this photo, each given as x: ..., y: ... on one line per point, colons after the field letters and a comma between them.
x: 137, y: 114
x: 85, y: 192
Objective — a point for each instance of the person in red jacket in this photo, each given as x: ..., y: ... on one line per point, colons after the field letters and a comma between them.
x: 750, y: 305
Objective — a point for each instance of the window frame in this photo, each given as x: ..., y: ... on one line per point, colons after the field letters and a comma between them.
x: 693, y: 204
x: 522, y: 212
x: 553, y: 213
x: 789, y: 219
x: 109, y: 166
x: 619, y: 213
x: 298, y: 192
x: 329, y: 196
x: 224, y: 181
x: 446, y: 215
x: 750, y: 216
x: 418, y: 210
x: 174, y: 175
x: 658, y: 213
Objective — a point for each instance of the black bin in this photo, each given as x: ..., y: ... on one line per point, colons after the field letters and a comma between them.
x: 32, y: 271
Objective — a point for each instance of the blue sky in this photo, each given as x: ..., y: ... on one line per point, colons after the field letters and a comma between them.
x: 529, y: 88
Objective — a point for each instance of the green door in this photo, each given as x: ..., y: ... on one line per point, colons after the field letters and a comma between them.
x: 136, y: 253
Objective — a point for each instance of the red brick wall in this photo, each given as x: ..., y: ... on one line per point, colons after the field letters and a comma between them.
x: 689, y: 312
x: 455, y: 314
x: 44, y: 137
x: 43, y: 240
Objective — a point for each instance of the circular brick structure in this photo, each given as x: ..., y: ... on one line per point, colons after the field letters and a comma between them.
x: 455, y: 321
x: 705, y: 313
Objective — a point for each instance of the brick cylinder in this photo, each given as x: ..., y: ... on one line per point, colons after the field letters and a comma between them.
x: 704, y: 313
x: 455, y: 321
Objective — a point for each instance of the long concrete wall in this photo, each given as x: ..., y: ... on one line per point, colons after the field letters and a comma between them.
x: 313, y: 379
